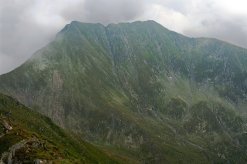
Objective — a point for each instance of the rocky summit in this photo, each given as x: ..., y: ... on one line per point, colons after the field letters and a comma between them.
x: 140, y: 92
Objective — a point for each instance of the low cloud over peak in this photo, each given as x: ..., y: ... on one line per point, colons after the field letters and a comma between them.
x: 27, y: 25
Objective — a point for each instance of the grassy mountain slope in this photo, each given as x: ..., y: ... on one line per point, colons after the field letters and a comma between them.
x: 34, y: 137
x: 141, y: 91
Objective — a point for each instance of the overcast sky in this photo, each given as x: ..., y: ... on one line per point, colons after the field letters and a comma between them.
x: 28, y: 25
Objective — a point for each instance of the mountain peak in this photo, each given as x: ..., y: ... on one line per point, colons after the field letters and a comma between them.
x: 135, y: 86
x: 76, y: 27
x: 75, y: 23
x: 150, y: 22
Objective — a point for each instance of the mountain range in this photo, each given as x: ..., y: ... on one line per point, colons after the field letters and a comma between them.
x: 139, y: 92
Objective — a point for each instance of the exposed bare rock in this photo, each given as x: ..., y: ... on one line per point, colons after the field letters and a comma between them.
x: 7, y: 126
x: 12, y: 157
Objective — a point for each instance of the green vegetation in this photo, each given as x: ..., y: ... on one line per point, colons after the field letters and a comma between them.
x: 53, y: 144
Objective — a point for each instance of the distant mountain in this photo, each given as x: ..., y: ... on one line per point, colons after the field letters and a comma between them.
x: 141, y: 92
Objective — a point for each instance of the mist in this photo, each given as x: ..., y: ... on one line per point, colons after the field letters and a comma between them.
x: 28, y: 25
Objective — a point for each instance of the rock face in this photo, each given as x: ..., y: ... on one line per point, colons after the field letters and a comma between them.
x: 6, y: 125
x: 16, y: 153
x: 140, y: 87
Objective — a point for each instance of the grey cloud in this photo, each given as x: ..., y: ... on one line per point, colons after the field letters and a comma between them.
x: 232, y: 31
x: 230, y: 28
x: 106, y: 11
x: 20, y: 36
x: 21, y: 33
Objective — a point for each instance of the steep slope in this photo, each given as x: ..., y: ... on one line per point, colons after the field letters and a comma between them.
x: 26, y: 136
x: 138, y: 88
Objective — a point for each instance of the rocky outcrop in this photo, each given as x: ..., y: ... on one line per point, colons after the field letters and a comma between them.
x: 18, y: 151
x: 7, y: 126
x: 42, y: 161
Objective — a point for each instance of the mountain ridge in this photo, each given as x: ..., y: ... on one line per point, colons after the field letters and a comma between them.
x: 149, y: 22
x: 140, y: 88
